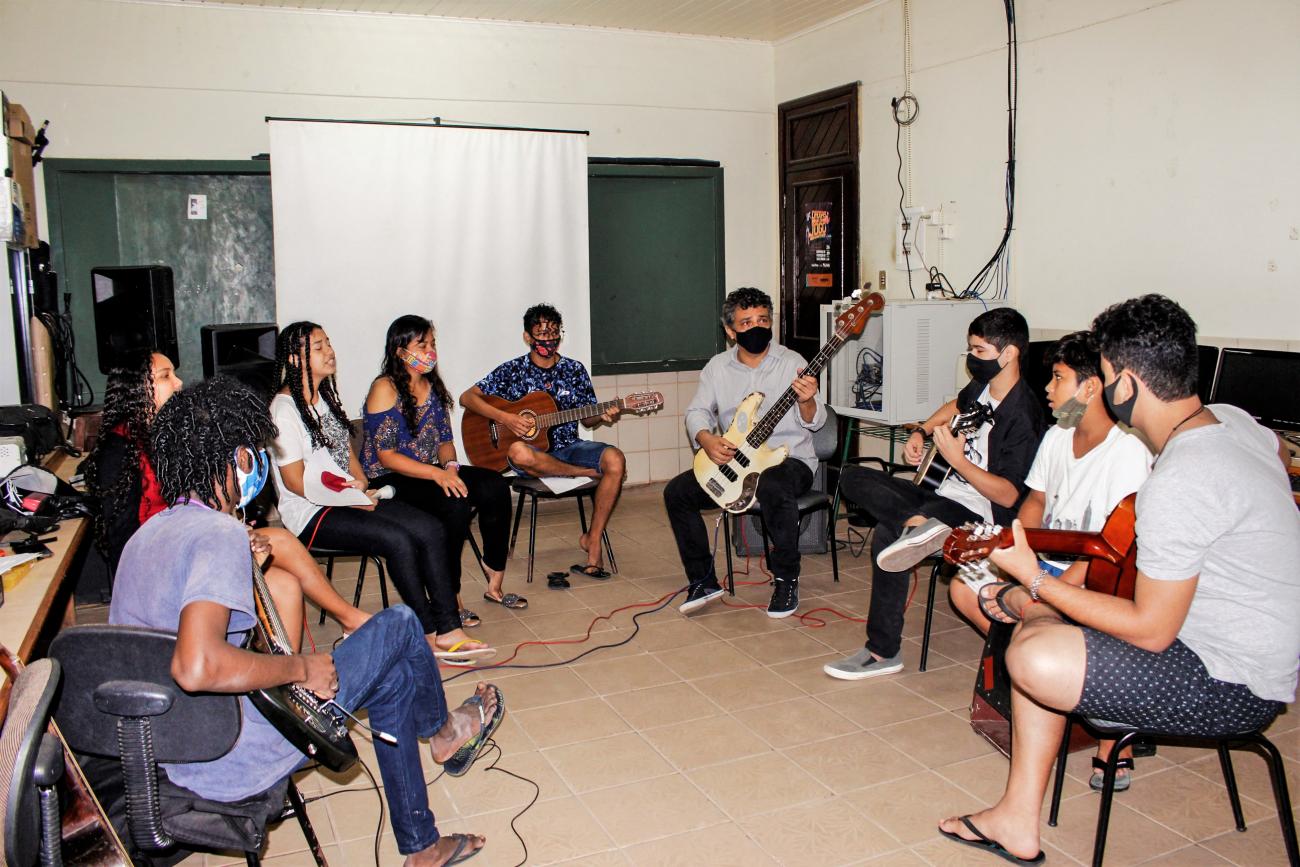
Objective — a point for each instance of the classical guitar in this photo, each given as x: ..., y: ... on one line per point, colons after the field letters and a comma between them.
x: 933, y: 469
x: 487, y: 441
x: 1112, y: 569
x: 733, y: 485
x: 307, y: 721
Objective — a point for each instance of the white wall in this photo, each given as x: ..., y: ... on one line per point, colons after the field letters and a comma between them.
x: 1157, y: 149
x: 147, y: 80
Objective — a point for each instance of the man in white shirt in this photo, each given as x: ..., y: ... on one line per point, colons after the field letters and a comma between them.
x: 753, y: 364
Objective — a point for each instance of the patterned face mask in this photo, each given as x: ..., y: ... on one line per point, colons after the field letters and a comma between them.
x: 251, y: 483
x: 419, y: 364
x: 546, y: 348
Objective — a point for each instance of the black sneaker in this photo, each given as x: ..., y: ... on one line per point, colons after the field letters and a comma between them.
x: 785, y: 598
x: 699, y: 595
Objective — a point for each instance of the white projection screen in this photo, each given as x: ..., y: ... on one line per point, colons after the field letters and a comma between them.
x: 468, y: 227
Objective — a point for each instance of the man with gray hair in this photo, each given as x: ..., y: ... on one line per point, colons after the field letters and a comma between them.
x: 753, y: 364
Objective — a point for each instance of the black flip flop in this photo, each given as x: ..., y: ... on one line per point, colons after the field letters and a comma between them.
x: 993, y: 847
x: 990, y: 606
x: 463, y: 758
x: 459, y: 854
x: 584, y: 569
x: 558, y: 580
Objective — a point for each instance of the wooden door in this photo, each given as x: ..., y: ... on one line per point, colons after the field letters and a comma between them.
x: 819, y: 209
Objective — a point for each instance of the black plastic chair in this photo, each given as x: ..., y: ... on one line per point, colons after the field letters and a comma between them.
x: 120, y: 703
x: 329, y: 555
x: 534, y: 489
x: 31, y: 765
x: 1126, y: 736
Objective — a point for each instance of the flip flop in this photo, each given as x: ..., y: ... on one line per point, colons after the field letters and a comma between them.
x: 558, y: 581
x: 459, y: 854
x: 509, y: 600
x: 585, y: 570
x: 463, y: 758
x: 993, y: 847
x: 994, y: 607
x: 455, y: 653
x: 469, y: 619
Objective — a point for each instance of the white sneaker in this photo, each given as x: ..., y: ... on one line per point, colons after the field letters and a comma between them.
x: 914, y: 545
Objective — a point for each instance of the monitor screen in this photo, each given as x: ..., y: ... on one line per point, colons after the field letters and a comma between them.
x: 1263, y: 382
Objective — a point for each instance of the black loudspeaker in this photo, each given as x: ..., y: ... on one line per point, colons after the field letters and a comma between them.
x: 134, y: 310
x: 245, y: 351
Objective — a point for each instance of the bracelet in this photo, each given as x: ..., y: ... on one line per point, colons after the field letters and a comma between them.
x: 451, y: 465
x: 1037, y: 583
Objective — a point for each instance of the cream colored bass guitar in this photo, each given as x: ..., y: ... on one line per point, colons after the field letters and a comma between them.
x: 733, y: 485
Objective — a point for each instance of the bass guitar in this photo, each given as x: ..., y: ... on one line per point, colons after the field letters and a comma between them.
x: 733, y: 485
x: 933, y: 469
x: 487, y: 441
x: 309, y: 722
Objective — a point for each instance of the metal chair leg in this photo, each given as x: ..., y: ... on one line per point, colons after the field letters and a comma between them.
x: 1281, y: 795
x: 1059, y: 781
x: 582, y: 512
x: 329, y: 576
x: 1108, y: 796
x: 1230, y: 780
x: 726, y: 545
x: 383, y: 582
x: 361, y: 583
x: 308, y: 832
x: 835, y: 553
x: 929, y: 615
x: 514, y: 531
x: 532, y: 537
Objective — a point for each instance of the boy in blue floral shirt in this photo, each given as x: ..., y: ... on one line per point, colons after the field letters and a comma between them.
x: 566, y: 380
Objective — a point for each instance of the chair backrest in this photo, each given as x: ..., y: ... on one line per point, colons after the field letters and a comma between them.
x: 197, y: 728
x: 28, y: 718
x: 826, y: 439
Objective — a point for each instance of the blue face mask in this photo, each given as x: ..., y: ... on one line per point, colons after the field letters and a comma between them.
x: 251, y: 483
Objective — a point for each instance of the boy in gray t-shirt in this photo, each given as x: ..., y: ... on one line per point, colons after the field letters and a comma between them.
x: 1208, y: 645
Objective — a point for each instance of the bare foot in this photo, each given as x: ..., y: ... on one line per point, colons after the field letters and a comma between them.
x: 353, y: 620
x: 585, y: 543
x: 1018, y: 837
x: 462, y: 724
x: 441, y: 852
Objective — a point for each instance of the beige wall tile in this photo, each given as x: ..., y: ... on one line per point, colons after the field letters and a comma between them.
x: 606, y: 433
x: 666, y: 432
x: 663, y: 464
x: 661, y: 377
x: 633, y: 434
x: 688, y: 376
x: 638, y: 467
x: 685, y: 459
x: 606, y: 392
x: 599, y: 382
x: 685, y: 391
x: 631, y: 380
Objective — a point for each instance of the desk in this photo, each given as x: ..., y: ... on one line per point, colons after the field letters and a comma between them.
x: 41, y: 600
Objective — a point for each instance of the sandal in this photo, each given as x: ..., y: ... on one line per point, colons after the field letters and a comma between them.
x: 586, y: 570
x: 993, y: 847
x: 469, y: 619
x: 558, y: 581
x: 1123, y: 775
x: 463, y: 758
x: 509, y: 600
x: 993, y: 605
x: 460, y: 853
x: 454, y: 653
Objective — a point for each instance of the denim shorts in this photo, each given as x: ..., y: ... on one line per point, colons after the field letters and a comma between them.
x: 579, y: 453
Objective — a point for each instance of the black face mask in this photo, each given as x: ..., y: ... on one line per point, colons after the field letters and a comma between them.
x: 755, y: 340
x: 982, y: 369
x: 1122, y: 411
x: 545, y: 348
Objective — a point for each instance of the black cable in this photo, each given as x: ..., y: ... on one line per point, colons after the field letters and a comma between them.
x: 899, y: 123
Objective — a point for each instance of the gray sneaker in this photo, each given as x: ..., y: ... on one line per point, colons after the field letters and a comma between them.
x: 914, y: 545
x: 862, y: 665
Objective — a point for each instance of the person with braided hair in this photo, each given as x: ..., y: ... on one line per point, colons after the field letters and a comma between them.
x: 409, y: 445
x: 121, y: 473
x: 310, y: 419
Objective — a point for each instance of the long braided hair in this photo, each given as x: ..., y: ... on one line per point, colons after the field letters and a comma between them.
x: 128, y: 402
x: 292, y: 357
x: 197, y: 433
x: 402, y: 331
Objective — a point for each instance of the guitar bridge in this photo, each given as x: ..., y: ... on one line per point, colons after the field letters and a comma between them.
x: 492, y: 432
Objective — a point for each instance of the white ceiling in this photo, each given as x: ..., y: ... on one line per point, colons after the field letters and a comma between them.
x: 762, y: 20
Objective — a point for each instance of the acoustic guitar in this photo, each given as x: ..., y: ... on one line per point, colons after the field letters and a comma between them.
x: 487, y: 441
x: 734, y: 485
x: 306, y: 720
x: 933, y: 469
x: 1112, y: 569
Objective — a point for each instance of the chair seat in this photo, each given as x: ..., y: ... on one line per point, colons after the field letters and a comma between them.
x: 808, y: 502
x: 538, y: 488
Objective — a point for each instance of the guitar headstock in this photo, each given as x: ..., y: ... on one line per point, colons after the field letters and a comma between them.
x: 972, y: 420
x: 851, y: 320
x: 971, y: 542
x: 643, y: 401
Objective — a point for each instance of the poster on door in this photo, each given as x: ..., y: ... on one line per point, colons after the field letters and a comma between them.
x: 817, y: 236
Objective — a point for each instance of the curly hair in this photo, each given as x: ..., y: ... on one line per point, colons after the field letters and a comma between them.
x: 1077, y: 351
x: 292, y: 357
x: 539, y: 313
x: 402, y: 331
x: 1153, y: 337
x: 197, y: 432
x: 128, y: 402
x: 744, y: 298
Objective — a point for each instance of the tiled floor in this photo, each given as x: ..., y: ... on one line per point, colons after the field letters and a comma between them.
x: 718, y: 740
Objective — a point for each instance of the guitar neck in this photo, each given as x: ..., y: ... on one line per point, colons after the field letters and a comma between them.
x: 761, y: 431
x: 578, y: 413
x: 277, y: 636
x: 1073, y: 543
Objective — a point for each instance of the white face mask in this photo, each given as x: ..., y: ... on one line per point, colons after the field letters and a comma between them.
x: 1069, y: 414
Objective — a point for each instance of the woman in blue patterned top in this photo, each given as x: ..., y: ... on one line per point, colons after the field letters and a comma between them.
x: 409, y: 445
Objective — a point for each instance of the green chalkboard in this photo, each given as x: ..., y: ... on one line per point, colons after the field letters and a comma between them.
x: 657, y: 267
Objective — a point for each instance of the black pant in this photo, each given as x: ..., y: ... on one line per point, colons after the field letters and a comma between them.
x: 414, y: 545
x: 779, y: 489
x: 891, y: 501
x: 489, y: 496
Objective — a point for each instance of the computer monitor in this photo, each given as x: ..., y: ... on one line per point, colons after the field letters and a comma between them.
x: 1207, y: 362
x: 1263, y: 382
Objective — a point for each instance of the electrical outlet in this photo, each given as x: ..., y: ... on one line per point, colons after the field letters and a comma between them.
x: 909, y: 240
x: 881, y: 286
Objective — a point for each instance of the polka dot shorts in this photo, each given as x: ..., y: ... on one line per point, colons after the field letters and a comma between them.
x: 1169, y: 692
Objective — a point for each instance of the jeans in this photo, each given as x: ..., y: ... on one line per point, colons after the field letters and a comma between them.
x: 412, y: 542
x: 779, y: 489
x: 386, y: 668
x: 489, y: 497
x: 891, y: 501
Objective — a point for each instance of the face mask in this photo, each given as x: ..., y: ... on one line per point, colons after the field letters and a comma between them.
x: 1069, y: 414
x: 1122, y: 411
x: 755, y: 340
x: 546, y: 348
x: 418, y: 364
x: 251, y: 483
x: 982, y: 370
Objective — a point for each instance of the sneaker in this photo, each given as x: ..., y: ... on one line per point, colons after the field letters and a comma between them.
x: 862, y: 665
x: 914, y: 545
x: 699, y: 595
x: 785, y: 598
